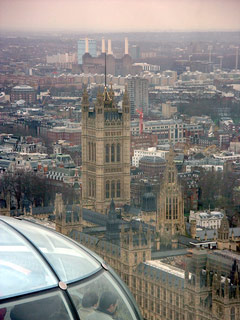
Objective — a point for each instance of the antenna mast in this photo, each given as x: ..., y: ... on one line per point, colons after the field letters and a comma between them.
x: 105, y: 69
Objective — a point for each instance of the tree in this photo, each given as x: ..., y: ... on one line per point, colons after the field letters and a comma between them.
x: 216, y: 189
x: 27, y: 184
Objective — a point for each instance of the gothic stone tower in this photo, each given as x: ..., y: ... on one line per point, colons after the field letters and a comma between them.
x: 105, y: 152
x: 223, y: 234
x: 135, y: 248
x: 170, y: 207
x: 68, y: 218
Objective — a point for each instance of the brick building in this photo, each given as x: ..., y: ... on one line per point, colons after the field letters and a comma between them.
x: 70, y: 134
x: 23, y: 92
x: 143, y: 141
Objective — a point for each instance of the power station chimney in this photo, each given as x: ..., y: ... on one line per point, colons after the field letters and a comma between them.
x: 109, y: 46
x: 126, y: 45
x: 86, y: 45
x: 103, y: 45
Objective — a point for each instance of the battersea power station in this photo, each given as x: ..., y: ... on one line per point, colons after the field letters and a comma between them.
x: 89, y: 62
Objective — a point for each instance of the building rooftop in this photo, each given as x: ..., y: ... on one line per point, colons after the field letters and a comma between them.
x: 166, y: 268
x: 23, y: 87
x: 152, y: 159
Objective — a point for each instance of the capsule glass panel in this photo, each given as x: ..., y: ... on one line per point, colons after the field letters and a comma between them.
x: 101, y: 298
x: 22, y: 269
x: 51, y: 306
x: 67, y: 259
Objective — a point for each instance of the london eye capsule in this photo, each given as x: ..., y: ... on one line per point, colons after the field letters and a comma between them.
x: 45, y: 275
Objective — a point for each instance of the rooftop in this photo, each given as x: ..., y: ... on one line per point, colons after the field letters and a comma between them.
x: 23, y: 87
x: 166, y: 268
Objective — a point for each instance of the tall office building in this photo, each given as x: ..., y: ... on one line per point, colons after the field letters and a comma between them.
x: 138, y: 94
x: 105, y: 152
x: 86, y: 46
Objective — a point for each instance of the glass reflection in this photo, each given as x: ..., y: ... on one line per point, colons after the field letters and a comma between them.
x: 22, y: 270
x: 50, y: 306
x: 101, y: 299
x: 67, y: 259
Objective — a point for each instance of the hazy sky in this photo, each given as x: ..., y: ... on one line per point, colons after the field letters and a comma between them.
x: 119, y: 15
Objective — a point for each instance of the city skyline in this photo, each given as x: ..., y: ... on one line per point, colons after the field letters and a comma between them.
x: 112, y: 15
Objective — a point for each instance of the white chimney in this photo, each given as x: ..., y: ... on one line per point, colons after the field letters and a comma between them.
x: 86, y: 45
x: 109, y: 46
x: 103, y: 45
x: 126, y: 45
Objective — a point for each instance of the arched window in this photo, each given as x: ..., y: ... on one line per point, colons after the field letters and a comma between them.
x: 92, y: 151
x: 170, y: 208
x: 113, y: 189
x: 174, y: 207
x: 94, y: 188
x: 118, y: 189
x: 167, y: 208
x: 107, y: 153
x: 112, y: 153
x: 89, y: 188
x: 118, y: 152
x: 107, y: 189
x: 169, y: 176
x: 89, y: 151
x: 177, y: 208
x: 94, y: 159
x: 232, y: 313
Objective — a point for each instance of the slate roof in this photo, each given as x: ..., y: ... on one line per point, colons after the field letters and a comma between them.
x: 210, y: 233
x: 94, y: 217
x: 5, y: 163
x: 42, y: 210
x: 165, y: 274
x: 104, y: 245
x: 170, y: 253
x: 152, y: 159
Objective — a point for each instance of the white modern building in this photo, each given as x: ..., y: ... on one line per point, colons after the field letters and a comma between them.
x: 168, y: 131
x: 150, y: 152
x: 209, y: 219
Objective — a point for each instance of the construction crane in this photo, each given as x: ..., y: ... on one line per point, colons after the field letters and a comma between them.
x: 140, y: 121
x: 210, y: 150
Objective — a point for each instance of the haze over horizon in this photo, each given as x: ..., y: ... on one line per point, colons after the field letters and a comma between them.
x: 119, y: 15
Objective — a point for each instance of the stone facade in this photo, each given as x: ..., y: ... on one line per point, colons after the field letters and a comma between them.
x: 66, y: 218
x: 226, y: 238
x: 123, y: 256
x: 105, y: 152
x: 203, y: 291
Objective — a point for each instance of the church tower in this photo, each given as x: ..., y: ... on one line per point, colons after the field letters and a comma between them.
x: 105, y: 152
x: 170, y: 206
x: 223, y: 234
